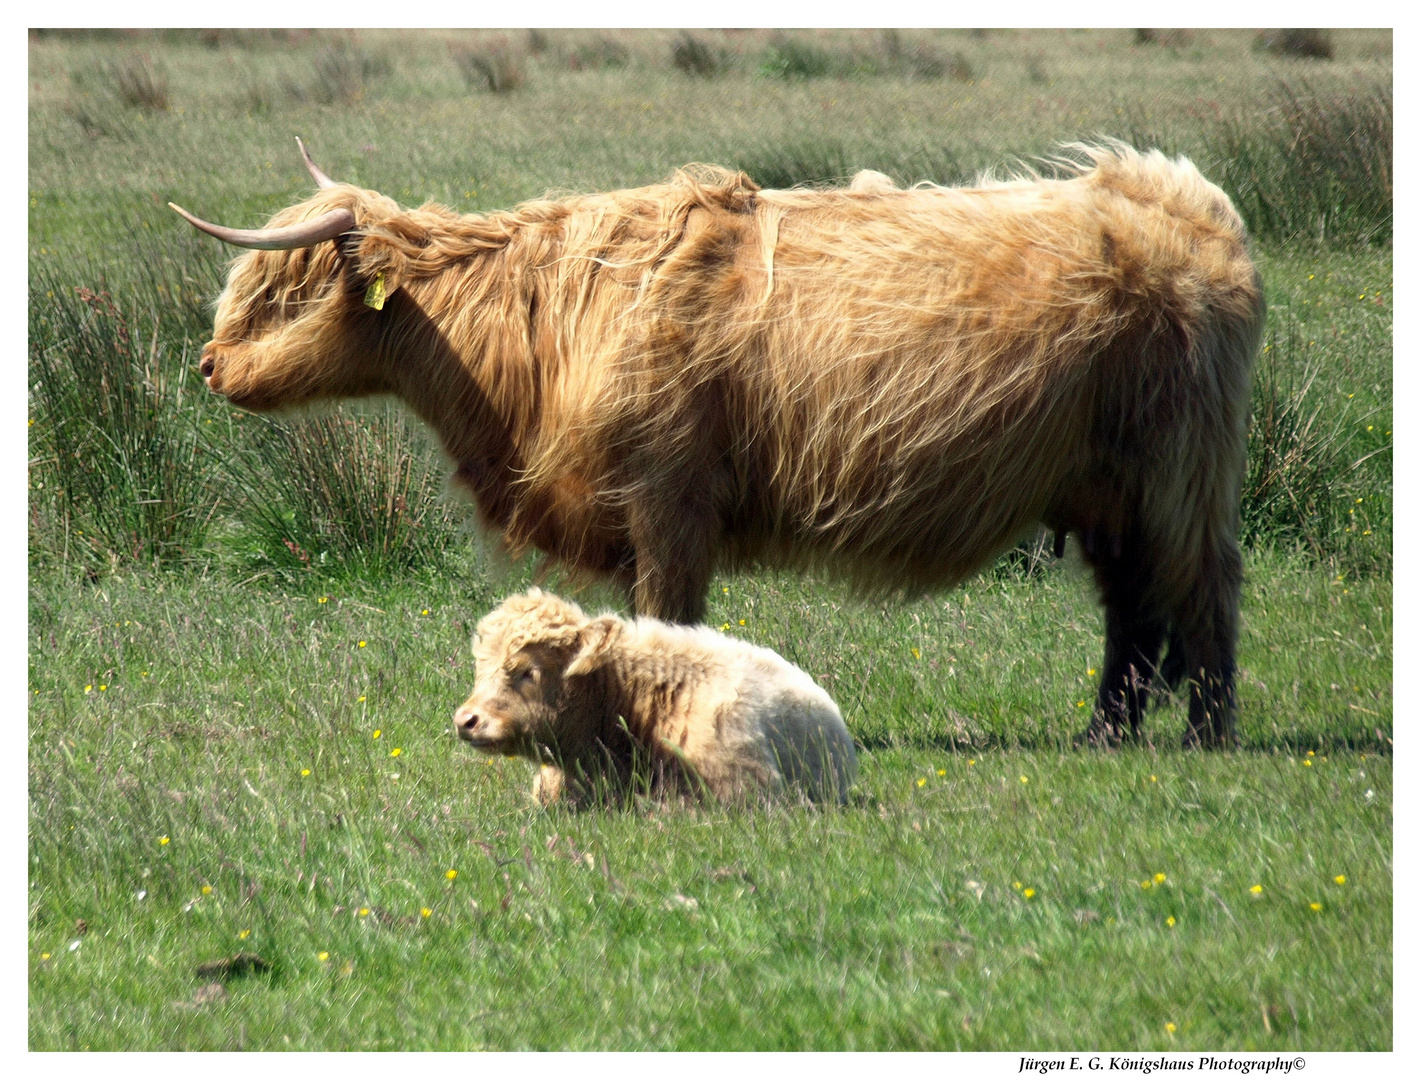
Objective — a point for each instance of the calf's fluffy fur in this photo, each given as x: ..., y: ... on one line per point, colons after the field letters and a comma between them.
x: 588, y: 698
x: 896, y: 385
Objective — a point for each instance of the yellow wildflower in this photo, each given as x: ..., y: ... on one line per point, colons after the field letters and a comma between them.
x: 1028, y: 893
x: 396, y: 752
x: 1315, y: 906
x: 1169, y: 921
x: 244, y: 934
x: 207, y: 890
x: 1159, y: 879
x: 1341, y: 879
x: 162, y: 841
x: 425, y: 912
x: 451, y: 874
x: 1256, y: 890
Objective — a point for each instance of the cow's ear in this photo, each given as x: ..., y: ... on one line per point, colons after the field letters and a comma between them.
x: 594, y: 645
x: 379, y: 262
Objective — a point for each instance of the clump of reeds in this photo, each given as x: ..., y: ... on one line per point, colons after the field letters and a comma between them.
x: 1312, y: 44
x: 1314, y: 164
x: 122, y: 470
x: 694, y: 57
x: 348, y: 491
x: 496, y: 69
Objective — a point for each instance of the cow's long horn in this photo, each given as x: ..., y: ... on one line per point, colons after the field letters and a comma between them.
x: 301, y: 235
x: 322, y: 180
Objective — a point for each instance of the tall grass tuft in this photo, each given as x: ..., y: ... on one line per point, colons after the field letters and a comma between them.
x: 1170, y: 39
x: 828, y: 161
x: 105, y: 97
x: 497, y: 69
x: 140, y: 83
x: 793, y: 58
x: 341, y: 74
x: 1305, y: 467
x: 121, y: 472
x: 348, y: 492
x: 1313, y: 44
x: 694, y: 57
x: 601, y: 53
x: 1318, y: 166
x: 787, y: 165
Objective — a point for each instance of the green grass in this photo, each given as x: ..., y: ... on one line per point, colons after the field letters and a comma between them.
x: 853, y: 928
x: 186, y: 662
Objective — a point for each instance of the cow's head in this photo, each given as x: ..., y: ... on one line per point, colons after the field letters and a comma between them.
x: 531, y: 655
x: 304, y: 314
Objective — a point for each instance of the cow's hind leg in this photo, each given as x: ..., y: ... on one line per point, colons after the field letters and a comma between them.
x: 1135, y: 628
x: 1206, y: 622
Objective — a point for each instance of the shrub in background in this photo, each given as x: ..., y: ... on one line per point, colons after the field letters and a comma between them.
x: 693, y: 56
x: 1316, y: 44
x: 497, y: 69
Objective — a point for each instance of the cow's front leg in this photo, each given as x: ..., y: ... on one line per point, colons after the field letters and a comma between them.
x: 674, y: 546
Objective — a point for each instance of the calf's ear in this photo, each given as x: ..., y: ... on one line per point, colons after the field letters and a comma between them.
x: 594, y: 644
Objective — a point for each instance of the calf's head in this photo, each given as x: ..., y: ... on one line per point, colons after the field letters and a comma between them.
x: 303, y: 313
x: 534, y: 657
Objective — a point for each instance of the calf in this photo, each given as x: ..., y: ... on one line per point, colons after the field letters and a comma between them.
x: 595, y: 699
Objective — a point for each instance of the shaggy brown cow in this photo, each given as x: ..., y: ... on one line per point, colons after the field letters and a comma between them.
x: 898, y: 384
x: 585, y: 696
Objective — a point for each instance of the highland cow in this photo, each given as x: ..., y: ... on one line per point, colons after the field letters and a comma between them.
x: 591, y: 699
x: 896, y: 384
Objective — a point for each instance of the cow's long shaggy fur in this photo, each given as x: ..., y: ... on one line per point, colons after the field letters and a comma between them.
x: 895, y: 383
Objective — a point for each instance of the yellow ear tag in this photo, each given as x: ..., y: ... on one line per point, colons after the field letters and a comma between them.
x: 375, y: 295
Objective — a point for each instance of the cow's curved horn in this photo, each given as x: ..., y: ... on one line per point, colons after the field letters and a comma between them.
x: 322, y: 180
x: 301, y: 235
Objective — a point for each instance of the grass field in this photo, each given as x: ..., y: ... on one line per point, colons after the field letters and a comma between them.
x: 241, y: 678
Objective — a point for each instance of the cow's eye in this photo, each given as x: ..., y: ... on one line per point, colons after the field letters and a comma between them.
x: 526, y: 675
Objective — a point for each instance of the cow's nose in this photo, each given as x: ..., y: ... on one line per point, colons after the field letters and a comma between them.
x: 207, y: 365
x: 465, y: 721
